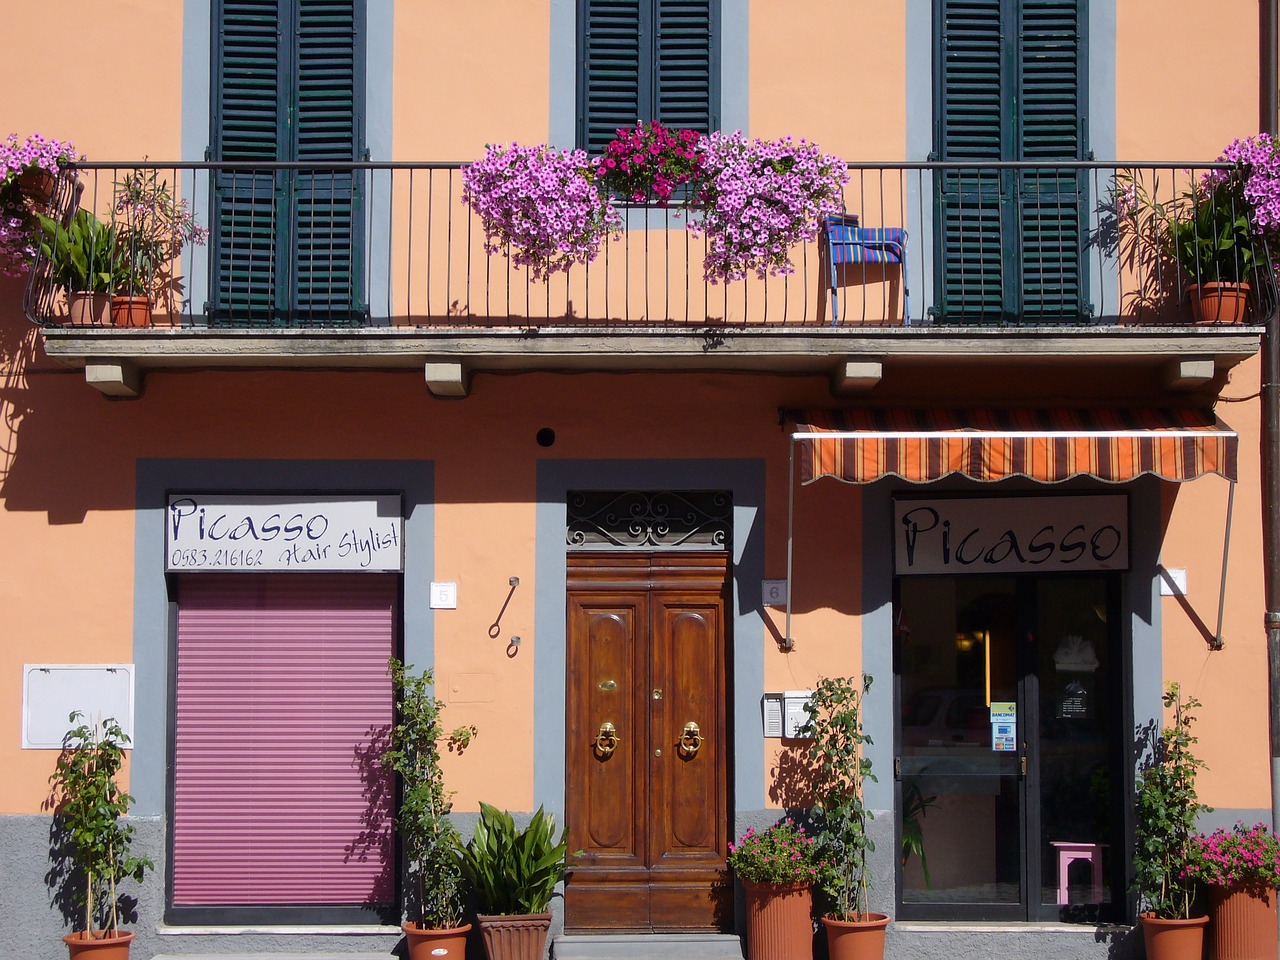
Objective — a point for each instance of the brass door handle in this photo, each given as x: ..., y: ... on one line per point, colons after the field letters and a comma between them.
x: 690, y: 741
x: 606, y: 741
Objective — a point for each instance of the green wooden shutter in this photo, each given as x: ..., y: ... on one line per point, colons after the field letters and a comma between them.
x: 646, y: 60
x: 249, y: 124
x: 1010, y: 87
x: 288, y: 86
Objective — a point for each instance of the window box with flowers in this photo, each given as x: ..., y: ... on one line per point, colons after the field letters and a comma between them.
x: 777, y: 867
x: 1241, y: 868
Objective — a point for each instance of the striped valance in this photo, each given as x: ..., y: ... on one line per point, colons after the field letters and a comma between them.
x: 1049, y: 446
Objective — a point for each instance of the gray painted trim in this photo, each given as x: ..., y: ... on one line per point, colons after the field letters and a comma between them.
x: 562, y: 92
x: 151, y: 607
x: 745, y: 479
x: 197, y: 55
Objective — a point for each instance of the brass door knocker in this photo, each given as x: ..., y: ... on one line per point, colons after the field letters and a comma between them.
x: 606, y: 741
x: 690, y: 741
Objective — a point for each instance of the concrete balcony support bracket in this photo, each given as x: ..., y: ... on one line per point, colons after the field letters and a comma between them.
x: 115, y: 378
x: 1189, y: 373
x: 856, y: 376
x: 447, y: 379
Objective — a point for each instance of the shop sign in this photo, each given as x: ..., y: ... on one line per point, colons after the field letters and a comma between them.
x: 264, y: 533
x: 1011, y: 534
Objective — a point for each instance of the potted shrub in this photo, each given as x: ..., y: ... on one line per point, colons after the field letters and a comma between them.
x: 433, y: 893
x: 840, y: 768
x: 152, y: 227
x: 81, y: 258
x: 1241, y: 869
x: 513, y: 875
x: 1212, y: 239
x: 1165, y: 823
x: 777, y: 867
x: 89, y: 807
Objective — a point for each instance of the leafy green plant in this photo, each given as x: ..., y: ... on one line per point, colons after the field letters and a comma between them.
x: 840, y: 769
x: 82, y: 256
x: 512, y: 871
x: 915, y: 805
x: 91, y: 807
x: 1166, y: 808
x: 153, y: 225
x: 1211, y: 235
x: 435, y: 883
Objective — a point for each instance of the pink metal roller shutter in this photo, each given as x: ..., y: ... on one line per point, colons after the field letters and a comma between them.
x: 283, y: 704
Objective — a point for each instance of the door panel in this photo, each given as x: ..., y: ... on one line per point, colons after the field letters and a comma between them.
x: 646, y: 636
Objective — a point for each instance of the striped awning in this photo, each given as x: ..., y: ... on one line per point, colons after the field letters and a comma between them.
x: 1049, y: 446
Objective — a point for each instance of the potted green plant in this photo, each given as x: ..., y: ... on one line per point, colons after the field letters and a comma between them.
x: 434, y: 890
x: 152, y: 227
x: 513, y: 874
x: 1240, y: 868
x: 840, y: 769
x: 1166, y: 807
x: 90, y: 807
x: 777, y: 867
x: 81, y: 258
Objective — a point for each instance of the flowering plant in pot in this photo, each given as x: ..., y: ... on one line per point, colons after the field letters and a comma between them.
x: 777, y: 867
x: 513, y: 875
x: 1166, y: 807
x: 152, y: 226
x: 649, y: 162
x: 89, y: 810
x: 542, y: 202
x: 758, y: 198
x: 1241, y: 869
x: 28, y: 172
x: 433, y: 893
x: 841, y: 769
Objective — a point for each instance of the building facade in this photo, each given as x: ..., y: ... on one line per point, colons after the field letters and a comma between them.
x: 993, y: 464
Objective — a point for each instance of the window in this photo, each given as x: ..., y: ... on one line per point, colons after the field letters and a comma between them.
x: 288, y: 85
x: 1010, y: 85
x: 646, y: 60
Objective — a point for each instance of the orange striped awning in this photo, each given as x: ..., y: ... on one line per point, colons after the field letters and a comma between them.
x: 1049, y: 446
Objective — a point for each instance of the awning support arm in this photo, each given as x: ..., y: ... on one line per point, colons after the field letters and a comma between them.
x: 787, y: 642
x: 1217, y: 642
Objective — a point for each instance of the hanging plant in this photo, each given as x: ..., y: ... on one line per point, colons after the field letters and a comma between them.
x: 759, y: 198
x: 649, y: 162
x: 542, y: 203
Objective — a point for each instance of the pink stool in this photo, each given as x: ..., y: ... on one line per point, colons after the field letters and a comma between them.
x: 1069, y: 853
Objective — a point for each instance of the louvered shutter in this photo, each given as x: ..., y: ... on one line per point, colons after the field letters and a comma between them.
x: 249, y: 124
x: 646, y: 60
x: 288, y: 86
x: 1010, y: 88
x: 283, y: 705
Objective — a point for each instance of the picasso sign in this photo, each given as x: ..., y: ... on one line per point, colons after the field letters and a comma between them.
x: 1011, y: 534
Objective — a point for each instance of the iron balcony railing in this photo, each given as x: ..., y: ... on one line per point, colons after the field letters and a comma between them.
x: 920, y: 245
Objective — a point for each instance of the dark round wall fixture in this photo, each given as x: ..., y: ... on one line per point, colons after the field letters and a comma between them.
x: 546, y: 437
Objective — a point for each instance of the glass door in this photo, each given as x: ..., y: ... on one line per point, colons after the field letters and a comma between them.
x: 1008, y: 753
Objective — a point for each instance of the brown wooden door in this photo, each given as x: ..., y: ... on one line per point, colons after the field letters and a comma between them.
x: 648, y: 821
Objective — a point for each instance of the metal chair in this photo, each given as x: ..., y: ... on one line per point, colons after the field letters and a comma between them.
x: 849, y: 243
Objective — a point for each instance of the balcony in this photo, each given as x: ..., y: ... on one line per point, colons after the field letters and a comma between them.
x: 382, y: 265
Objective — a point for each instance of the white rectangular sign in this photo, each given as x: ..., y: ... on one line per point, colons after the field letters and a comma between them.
x: 1011, y: 534
x: 50, y: 691
x: 264, y: 533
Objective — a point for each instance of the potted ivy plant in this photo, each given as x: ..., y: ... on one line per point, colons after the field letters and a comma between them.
x: 513, y: 874
x: 840, y: 769
x: 81, y: 258
x: 1166, y: 807
x: 152, y: 227
x: 90, y: 809
x: 434, y: 889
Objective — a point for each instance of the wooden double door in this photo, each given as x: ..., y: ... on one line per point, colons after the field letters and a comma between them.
x: 647, y: 785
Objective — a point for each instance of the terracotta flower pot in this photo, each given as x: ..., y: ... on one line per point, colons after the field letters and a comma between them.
x: 100, y: 947
x: 520, y: 937
x: 37, y: 185
x: 131, y: 311
x: 856, y: 939
x: 1173, y: 939
x: 1243, y: 922
x: 88, y: 309
x: 1219, y: 302
x: 431, y: 944
x: 779, y: 921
